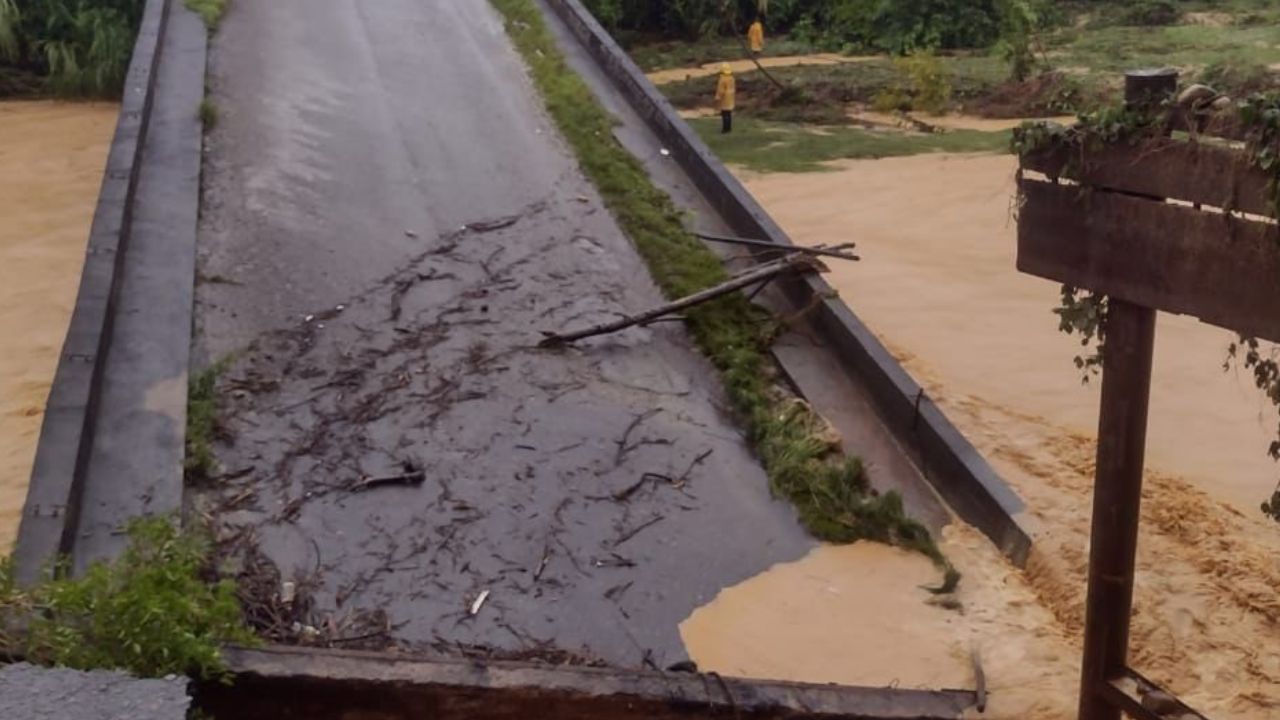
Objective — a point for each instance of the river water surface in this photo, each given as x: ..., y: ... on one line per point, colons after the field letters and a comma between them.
x: 938, y: 285
x: 51, y: 160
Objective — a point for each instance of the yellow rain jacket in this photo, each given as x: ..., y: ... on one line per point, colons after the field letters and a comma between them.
x: 755, y: 36
x: 725, y: 90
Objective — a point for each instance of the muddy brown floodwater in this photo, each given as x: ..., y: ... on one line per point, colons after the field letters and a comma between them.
x: 51, y: 161
x: 938, y: 285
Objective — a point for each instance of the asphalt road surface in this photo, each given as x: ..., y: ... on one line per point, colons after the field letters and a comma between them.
x: 389, y: 223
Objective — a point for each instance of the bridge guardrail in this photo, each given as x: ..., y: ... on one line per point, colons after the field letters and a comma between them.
x: 945, y: 457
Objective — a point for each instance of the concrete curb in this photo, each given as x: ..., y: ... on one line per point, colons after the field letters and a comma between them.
x: 52, y: 513
x: 955, y: 468
x: 276, y: 682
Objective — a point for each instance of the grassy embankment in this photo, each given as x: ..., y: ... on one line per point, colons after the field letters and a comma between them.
x: 1233, y: 46
x: 830, y: 490
x: 765, y: 146
x: 211, y: 12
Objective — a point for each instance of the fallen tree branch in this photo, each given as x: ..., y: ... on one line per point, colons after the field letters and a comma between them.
x: 795, y: 262
x: 731, y: 13
x: 835, y: 252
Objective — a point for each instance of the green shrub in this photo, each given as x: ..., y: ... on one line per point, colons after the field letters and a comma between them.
x: 202, y: 402
x: 211, y: 11
x: 208, y: 114
x: 151, y: 612
x: 925, y: 85
x: 1019, y: 22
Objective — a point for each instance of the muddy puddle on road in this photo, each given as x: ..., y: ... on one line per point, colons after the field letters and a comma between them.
x: 860, y: 615
x: 51, y: 161
x: 938, y: 284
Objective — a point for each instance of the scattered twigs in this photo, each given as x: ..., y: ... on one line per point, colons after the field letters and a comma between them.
x: 413, y: 477
x: 795, y: 262
x: 637, y: 530
x: 492, y: 225
x: 627, y: 492
x: 680, y: 481
x: 835, y: 252
x: 623, y: 445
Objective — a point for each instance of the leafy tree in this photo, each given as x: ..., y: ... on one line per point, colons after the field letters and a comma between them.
x: 1018, y: 23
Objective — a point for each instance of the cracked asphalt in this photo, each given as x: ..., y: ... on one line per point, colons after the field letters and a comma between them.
x: 389, y: 224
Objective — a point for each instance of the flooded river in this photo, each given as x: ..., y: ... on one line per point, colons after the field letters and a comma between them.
x: 51, y: 161
x: 938, y: 284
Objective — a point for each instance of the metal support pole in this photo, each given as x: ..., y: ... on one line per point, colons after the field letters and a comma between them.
x: 1117, y: 492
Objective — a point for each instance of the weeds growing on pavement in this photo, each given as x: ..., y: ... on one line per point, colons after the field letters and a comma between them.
x: 202, y: 416
x: 151, y: 612
x: 211, y: 11
x: 830, y: 491
x: 208, y: 113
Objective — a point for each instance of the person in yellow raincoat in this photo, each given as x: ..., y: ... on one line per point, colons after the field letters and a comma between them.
x: 726, y: 88
x: 755, y: 37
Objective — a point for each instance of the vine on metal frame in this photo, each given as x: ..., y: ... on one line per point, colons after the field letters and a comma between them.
x: 1084, y: 312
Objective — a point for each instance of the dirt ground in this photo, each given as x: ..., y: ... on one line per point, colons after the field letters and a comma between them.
x: 939, y: 286
x: 51, y: 160
x: 661, y: 77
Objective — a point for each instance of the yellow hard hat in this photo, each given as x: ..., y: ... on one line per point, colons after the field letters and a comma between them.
x: 725, y: 69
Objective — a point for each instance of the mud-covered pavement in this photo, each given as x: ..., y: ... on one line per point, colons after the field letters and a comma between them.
x: 382, y: 261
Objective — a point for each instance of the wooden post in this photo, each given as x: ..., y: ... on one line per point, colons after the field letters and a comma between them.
x: 1117, y: 492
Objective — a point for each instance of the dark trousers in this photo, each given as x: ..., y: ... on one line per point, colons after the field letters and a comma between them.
x: 726, y: 121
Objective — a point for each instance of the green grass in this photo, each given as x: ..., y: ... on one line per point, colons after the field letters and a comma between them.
x: 211, y: 11
x: 786, y: 147
x: 208, y: 113
x: 151, y: 612
x: 202, y: 417
x: 830, y: 491
x: 1116, y: 49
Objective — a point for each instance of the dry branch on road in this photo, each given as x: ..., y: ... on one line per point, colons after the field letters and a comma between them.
x: 795, y: 262
x: 836, y: 252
